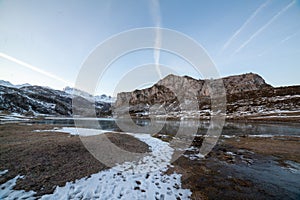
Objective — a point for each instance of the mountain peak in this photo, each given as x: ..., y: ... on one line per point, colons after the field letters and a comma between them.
x: 192, y: 87
x: 9, y: 84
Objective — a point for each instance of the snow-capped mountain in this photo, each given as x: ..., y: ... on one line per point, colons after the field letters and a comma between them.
x: 86, y: 95
x: 38, y: 100
x: 9, y: 84
x: 105, y: 98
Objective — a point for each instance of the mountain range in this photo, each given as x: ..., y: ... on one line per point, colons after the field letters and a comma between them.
x: 38, y: 101
x: 248, y: 96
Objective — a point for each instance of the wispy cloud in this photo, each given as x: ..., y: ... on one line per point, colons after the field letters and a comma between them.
x: 289, y: 37
x: 280, y: 43
x: 264, y: 27
x: 34, y: 68
x: 155, y: 10
x: 253, y: 15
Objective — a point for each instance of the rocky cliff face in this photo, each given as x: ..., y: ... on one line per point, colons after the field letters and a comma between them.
x: 172, y: 87
x: 174, y: 94
x: 244, y: 83
x: 37, y: 100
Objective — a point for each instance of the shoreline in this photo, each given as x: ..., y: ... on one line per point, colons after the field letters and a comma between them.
x: 45, y: 159
x: 284, y: 117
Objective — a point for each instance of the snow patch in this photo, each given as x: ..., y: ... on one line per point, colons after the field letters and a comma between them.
x: 228, y: 136
x: 262, y: 136
x: 3, y: 172
x: 76, y: 131
x: 130, y: 180
x: 230, y: 153
x: 145, y: 179
x: 7, y: 191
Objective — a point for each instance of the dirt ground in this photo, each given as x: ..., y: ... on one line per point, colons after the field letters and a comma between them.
x: 49, y: 159
x: 284, y: 147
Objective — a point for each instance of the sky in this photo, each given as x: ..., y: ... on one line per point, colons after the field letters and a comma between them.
x: 46, y: 42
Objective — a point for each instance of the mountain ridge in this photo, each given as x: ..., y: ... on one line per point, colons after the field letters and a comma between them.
x: 232, y: 84
x: 246, y: 94
x: 39, y: 101
x: 9, y: 84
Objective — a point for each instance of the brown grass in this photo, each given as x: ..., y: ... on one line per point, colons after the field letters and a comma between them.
x: 50, y: 159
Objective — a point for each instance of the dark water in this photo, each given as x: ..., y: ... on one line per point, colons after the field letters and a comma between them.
x: 280, y: 182
x: 171, y: 127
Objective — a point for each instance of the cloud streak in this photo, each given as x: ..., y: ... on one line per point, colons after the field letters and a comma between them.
x: 34, y: 68
x: 280, y: 43
x: 264, y: 27
x: 289, y: 37
x: 155, y: 10
x: 244, y: 25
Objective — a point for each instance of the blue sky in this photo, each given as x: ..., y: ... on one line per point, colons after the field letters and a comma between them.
x: 47, y: 41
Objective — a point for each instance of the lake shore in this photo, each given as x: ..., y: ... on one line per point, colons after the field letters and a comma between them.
x: 49, y: 159
x: 243, y: 168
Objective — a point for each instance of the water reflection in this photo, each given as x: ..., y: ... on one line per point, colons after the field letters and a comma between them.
x: 171, y: 127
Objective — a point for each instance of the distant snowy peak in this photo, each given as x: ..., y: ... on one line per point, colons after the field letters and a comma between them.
x: 105, y: 98
x: 86, y: 95
x: 77, y: 92
x: 38, y: 100
x: 67, y: 90
x: 9, y: 84
x: 6, y: 83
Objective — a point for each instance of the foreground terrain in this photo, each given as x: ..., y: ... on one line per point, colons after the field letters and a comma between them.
x: 50, y: 161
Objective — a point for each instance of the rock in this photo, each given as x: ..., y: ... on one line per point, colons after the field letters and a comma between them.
x: 175, y: 96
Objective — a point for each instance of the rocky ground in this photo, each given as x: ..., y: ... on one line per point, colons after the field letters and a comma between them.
x: 239, y: 167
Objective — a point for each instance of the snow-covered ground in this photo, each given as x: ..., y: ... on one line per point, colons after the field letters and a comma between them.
x: 13, y: 117
x: 76, y: 131
x: 7, y: 191
x: 145, y: 179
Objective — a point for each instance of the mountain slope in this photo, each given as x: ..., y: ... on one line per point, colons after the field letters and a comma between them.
x: 246, y: 94
x: 37, y: 100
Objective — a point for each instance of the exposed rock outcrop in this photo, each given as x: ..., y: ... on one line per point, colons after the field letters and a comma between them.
x: 246, y: 93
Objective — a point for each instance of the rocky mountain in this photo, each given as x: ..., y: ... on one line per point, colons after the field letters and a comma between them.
x: 246, y: 94
x: 83, y: 94
x: 8, y: 84
x: 37, y: 100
